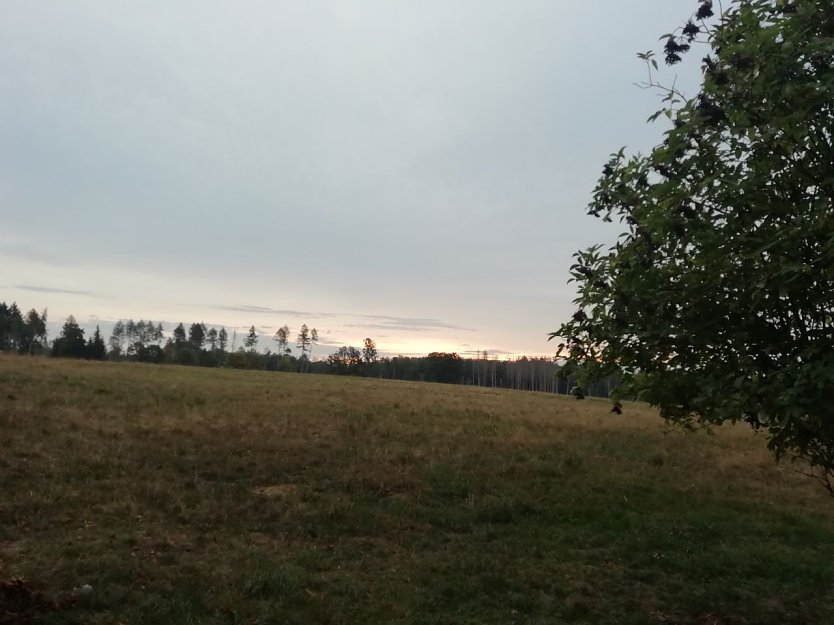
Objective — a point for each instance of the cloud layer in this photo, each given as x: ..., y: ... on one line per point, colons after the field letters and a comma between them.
x: 422, y: 165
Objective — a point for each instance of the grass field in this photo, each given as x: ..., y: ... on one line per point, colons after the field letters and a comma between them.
x: 186, y: 495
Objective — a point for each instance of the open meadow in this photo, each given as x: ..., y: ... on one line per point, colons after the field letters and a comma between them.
x: 187, y: 495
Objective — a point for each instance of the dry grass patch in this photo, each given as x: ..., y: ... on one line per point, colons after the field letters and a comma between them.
x: 212, y: 496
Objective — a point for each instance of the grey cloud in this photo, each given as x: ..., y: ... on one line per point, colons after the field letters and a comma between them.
x: 403, y: 323
x: 274, y: 311
x: 46, y: 289
x: 406, y: 323
x: 409, y: 325
x: 326, y: 342
x: 381, y: 322
x: 379, y: 326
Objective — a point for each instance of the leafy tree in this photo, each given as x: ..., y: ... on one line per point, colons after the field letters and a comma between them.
x: 251, y: 340
x: 444, y: 367
x: 345, y: 360
x: 33, y: 332
x: 131, y: 334
x: 70, y: 343
x: 245, y: 360
x: 155, y: 354
x: 369, y: 353
x: 371, y: 365
x: 117, y: 339
x: 237, y: 360
x: 148, y: 333
x: 129, y: 337
x: 716, y: 303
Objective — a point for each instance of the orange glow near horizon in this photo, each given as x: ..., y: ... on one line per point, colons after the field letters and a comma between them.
x: 422, y: 348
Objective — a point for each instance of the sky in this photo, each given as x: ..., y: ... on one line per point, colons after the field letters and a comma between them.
x: 413, y: 172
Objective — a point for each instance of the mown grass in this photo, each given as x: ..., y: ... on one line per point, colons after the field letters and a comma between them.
x: 186, y: 495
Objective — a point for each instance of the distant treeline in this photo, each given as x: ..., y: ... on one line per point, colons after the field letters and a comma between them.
x: 199, y: 345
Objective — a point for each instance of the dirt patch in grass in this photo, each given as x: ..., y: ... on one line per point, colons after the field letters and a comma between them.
x: 276, y: 490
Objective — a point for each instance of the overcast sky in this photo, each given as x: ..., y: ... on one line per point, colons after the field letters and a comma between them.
x: 415, y: 172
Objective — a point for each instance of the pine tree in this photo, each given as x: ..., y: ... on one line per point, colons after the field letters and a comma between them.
x: 179, y: 334
x: 95, y: 348
x: 281, y: 337
x: 251, y: 340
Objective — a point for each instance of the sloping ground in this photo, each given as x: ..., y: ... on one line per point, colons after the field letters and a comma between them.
x: 185, y: 495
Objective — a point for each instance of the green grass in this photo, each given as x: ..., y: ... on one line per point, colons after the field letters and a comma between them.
x: 186, y: 495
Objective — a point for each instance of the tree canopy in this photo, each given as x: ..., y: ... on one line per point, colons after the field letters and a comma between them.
x: 71, y: 343
x: 716, y: 302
